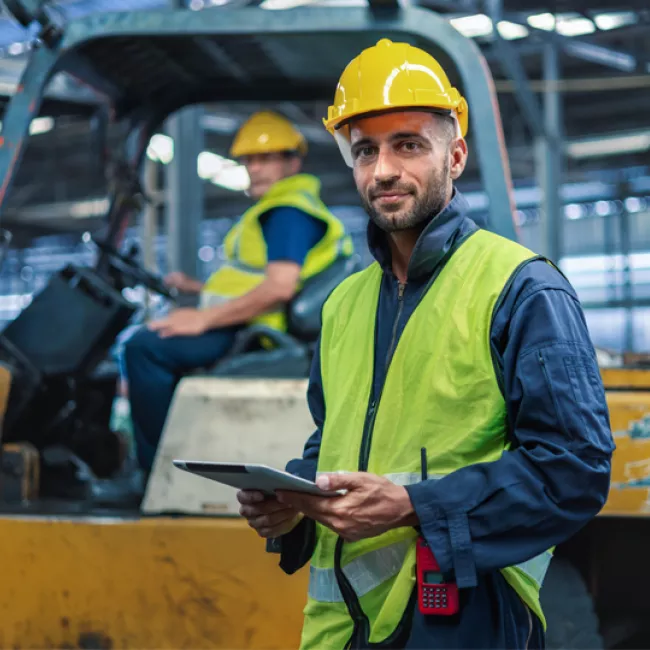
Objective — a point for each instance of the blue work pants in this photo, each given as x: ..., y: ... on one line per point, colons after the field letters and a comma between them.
x: 154, y: 365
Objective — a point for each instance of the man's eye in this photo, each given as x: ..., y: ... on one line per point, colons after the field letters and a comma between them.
x: 410, y: 146
x: 365, y: 152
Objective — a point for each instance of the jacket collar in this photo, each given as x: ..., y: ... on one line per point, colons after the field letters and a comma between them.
x: 434, y: 242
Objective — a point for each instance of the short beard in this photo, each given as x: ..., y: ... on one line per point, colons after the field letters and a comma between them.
x: 425, y: 207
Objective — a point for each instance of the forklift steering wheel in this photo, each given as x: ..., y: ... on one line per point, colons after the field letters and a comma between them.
x: 128, y: 267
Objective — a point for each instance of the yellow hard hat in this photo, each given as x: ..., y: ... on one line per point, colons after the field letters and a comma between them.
x: 267, y: 132
x: 390, y: 76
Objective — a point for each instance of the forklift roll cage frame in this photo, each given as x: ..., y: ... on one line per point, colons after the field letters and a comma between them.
x: 162, y: 77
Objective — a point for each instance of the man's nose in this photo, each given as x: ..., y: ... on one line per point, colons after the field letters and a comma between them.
x: 386, y: 167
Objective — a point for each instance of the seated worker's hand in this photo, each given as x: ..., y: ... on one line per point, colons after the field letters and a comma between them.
x: 371, y: 506
x: 267, y: 515
x: 181, y: 322
x: 181, y: 281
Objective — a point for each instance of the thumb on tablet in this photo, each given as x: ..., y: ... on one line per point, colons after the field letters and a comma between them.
x: 338, y: 481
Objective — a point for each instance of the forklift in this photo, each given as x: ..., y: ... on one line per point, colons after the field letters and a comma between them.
x: 183, y: 569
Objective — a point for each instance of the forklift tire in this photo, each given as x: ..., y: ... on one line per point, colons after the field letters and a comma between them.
x: 572, y: 622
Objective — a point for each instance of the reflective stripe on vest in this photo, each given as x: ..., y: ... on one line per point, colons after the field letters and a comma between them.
x: 368, y: 571
x: 365, y: 573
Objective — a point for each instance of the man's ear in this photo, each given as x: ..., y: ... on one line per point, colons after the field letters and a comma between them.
x: 458, y: 154
x: 295, y: 164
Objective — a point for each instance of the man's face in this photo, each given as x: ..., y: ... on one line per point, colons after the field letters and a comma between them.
x: 265, y: 169
x: 404, y: 164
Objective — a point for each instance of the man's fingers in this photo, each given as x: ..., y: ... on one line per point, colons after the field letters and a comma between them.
x: 272, y: 519
x: 320, y: 509
x: 298, y: 500
x: 265, y: 508
x: 279, y: 529
x: 246, y: 497
x: 155, y: 325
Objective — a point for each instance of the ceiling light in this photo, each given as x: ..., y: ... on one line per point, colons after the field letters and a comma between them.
x: 610, y: 145
x: 573, y: 211
x: 342, y: 3
x: 575, y: 26
x: 41, y: 125
x: 511, y: 31
x: 615, y: 20
x: 16, y: 48
x: 471, y: 26
x: 161, y: 148
x: 542, y: 21
x: 282, y: 4
x: 89, y: 208
x: 633, y: 204
x: 602, y: 208
x: 222, y: 171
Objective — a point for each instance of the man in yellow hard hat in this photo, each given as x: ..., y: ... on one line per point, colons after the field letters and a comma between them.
x: 286, y: 237
x: 456, y: 394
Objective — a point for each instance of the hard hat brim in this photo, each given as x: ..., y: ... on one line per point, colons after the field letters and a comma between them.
x: 336, y: 124
x: 240, y: 151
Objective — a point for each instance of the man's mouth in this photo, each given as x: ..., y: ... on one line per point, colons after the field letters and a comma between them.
x: 390, y: 197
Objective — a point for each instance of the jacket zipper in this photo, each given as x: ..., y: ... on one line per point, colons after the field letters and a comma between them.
x: 364, y: 453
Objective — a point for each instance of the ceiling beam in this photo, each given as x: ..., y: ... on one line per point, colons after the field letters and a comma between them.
x: 513, y: 67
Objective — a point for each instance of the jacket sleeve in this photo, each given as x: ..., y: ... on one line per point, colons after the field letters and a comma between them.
x: 556, y: 476
x: 296, y: 547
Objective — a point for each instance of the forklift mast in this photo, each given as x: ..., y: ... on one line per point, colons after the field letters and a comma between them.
x: 147, y: 65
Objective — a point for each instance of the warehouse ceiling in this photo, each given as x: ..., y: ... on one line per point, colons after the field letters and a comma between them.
x: 604, y: 64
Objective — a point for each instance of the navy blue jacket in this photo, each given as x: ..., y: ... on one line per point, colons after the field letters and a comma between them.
x: 534, y: 497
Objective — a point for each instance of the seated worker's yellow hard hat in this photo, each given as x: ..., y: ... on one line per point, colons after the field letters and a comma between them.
x: 267, y: 132
x: 389, y: 76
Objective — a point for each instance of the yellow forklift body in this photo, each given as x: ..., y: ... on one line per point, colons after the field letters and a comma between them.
x: 628, y: 398
x: 206, y: 582
x: 152, y: 583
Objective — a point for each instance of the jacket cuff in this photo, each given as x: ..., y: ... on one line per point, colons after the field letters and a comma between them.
x: 296, y: 547
x: 447, y: 534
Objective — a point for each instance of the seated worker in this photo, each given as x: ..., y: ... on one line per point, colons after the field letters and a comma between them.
x: 288, y: 236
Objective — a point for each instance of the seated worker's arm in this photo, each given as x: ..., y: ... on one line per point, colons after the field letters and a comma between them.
x: 556, y: 478
x: 183, y: 282
x: 289, y: 234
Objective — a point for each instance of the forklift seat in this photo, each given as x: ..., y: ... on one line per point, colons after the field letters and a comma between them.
x: 290, y: 354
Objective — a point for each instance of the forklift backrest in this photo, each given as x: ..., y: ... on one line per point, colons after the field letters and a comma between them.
x: 304, y: 311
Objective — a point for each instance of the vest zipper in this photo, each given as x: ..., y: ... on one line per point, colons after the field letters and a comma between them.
x: 364, y: 453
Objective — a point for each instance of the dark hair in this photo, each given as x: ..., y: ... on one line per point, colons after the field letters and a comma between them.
x: 448, y: 124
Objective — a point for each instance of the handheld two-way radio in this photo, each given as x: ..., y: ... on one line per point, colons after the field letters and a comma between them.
x: 435, y: 596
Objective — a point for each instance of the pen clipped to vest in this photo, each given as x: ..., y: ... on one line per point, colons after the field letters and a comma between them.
x: 435, y: 596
